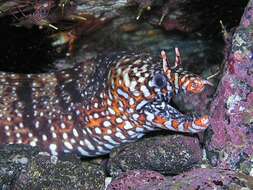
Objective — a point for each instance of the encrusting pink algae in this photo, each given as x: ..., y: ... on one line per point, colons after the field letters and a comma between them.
x: 231, y: 110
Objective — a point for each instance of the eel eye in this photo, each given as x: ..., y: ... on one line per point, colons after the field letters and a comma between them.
x: 160, y: 80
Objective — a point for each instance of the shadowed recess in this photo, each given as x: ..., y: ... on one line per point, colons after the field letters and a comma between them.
x: 25, y: 50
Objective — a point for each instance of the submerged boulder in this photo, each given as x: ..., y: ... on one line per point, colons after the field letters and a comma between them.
x: 203, y: 179
x: 25, y: 167
x: 171, y: 154
x: 134, y: 179
x: 231, y: 134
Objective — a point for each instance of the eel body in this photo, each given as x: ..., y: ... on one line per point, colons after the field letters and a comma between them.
x: 97, y: 105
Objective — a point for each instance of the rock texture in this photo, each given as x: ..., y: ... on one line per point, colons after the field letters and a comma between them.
x: 203, y: 179
x: 23, y: 167
x: 134, y: 179
x: 171, y: 154
x: 231, y: 135
x: 229, y: 141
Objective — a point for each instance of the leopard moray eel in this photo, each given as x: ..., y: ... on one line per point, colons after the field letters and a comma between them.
x: 97, y: 105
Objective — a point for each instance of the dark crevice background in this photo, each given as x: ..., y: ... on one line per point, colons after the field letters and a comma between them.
x: 206, y: 15
x: 24, y: 50
x: 29, y: 50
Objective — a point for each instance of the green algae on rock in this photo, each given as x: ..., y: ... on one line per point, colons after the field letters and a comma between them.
x: 25, y: 167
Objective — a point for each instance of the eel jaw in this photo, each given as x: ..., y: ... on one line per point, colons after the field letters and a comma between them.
x: 162, y: 115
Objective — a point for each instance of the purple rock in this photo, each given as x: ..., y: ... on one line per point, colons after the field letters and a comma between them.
x: 134, y: 179
x: 203, y: 179
x: 231, y: 143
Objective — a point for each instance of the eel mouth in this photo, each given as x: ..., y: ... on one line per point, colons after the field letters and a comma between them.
x: 161, y: 114
x: 161, y: 108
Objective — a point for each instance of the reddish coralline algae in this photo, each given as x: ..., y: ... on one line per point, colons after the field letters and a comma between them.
x: 231, y: 110
x: 202, y: 179
x: 134, y: 179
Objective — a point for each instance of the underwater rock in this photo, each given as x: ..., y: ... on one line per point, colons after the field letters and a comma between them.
x: 231, y: 133
x: 25, y: 167
x: 171, y: 17
x: 134, y: 179
x: 203, y: 179
x: 101, y: 8
x: 191, y: 16
x: 61, y: 16
x: 171, y: 154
